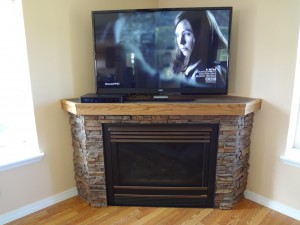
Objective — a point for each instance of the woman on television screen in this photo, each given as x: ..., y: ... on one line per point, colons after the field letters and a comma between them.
x: 197, y: 41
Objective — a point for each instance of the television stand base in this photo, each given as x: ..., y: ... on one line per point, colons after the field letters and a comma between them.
x: 160, y: 97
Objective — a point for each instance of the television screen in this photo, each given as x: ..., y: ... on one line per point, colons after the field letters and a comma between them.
x: 154, y: 51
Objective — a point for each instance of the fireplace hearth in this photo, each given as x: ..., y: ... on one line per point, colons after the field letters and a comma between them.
x: 160, y: 164
x: 232, y: 156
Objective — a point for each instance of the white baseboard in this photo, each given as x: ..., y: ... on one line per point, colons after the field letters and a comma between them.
x: 279, y: 207
x: 36, y: 206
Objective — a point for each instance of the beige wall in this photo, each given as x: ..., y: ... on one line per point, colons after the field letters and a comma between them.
x: 264, y: 42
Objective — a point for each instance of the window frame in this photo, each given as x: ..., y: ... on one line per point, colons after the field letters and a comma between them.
x: 292, y: 153
x: 15, y: 155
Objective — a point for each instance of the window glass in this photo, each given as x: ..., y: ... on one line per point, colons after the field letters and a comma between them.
x: 17, y: 124
x: 297, y: 135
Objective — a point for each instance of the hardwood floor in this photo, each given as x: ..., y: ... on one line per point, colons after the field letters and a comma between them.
x: 75, y: 211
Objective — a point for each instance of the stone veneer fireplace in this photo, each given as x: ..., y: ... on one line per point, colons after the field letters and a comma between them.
x: 233, y: 114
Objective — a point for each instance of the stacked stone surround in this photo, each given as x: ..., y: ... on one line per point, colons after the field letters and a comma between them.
x: 232, y: 157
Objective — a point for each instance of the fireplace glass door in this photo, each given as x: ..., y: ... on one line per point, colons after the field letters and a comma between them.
x: 160, y: 165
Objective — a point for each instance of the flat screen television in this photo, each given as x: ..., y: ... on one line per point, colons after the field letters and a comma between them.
x: 162, y: 51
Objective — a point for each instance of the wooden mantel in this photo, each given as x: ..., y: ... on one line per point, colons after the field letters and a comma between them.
x: 202, y: 105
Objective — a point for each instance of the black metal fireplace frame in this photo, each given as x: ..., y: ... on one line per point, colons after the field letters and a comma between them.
x: 161, y: 195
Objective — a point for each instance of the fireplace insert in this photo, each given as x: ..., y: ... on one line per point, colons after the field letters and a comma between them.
x: 160, y: 164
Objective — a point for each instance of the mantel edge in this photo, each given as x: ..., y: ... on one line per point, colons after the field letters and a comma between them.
x: 216, y: 105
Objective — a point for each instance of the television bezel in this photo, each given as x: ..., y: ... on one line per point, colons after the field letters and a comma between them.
x: 165, y: 91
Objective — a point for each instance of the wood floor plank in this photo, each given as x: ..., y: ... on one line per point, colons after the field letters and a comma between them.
x: 198, y: 217
x: 75, y: 211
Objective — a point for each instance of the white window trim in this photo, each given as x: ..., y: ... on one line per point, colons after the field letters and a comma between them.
x: 291, y: 158
x: 10, y: 163
x: 292, y: 154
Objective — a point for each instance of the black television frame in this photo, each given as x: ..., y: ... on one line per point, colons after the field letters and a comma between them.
x: 163, y: 91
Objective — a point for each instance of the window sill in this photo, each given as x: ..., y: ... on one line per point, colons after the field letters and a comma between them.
x: 13, y: 160
x: 292, y: 158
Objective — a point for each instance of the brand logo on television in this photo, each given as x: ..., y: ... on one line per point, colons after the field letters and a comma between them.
x: 112, y: 83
